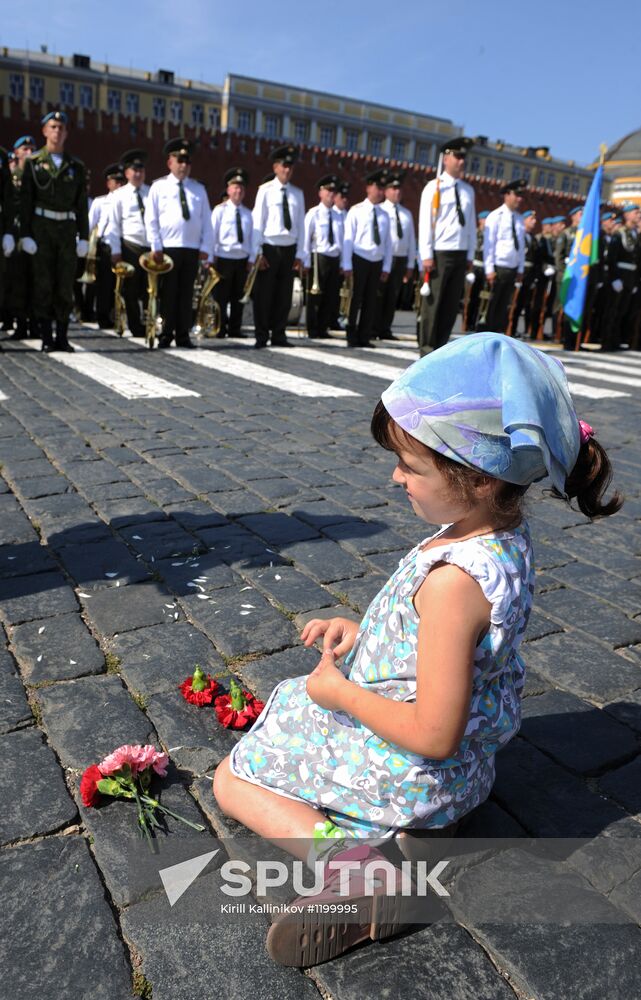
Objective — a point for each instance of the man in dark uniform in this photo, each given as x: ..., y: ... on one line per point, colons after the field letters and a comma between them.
x: 53, y: 213
x: 323, y: 247
x: 471, y: 311
x: 6, y: 220
x: 233, y: 250
x: 504, y: 254
x: 531, y: 275
x: 544, y: 290
x: 367, y: 258
x: 341, y: 205
x: 562, y: 250
x: 105, y: 279
x: 127, y: 236
x: 624, y: 273
x: 595, y: 310
x: 18, y: 271
x: 403, y: 237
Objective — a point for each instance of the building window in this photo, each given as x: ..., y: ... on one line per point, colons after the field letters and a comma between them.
x: 552, y: 181
x: 245, y: 121
x: 475, y: 165
x: 489, y: 168
x: 213, y: 118
x: 159, y: 109
x: 565, y: 183
x: 175, y: 112
x: 85, y: 95
x: 16, y: 86
x: 272, y: 126
x: 516, y: 172
x: 500, y: 170
x: 351, y: 140
x: 67, y: 95
x: 327, y: 135
x: 422, y: 154
x: 36, y: 88
x: 197, y: 114
x: 575, y: 185
x: 113, y: 101
x: 399, y: 149
x: 540, y: 178
x: 301, y: 131
x: 526, y: 174
x: 132, y: 104
x: 376, y: 145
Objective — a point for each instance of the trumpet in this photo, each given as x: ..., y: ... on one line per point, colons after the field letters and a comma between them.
x: 316, y: 288
x: 249, y: 282
x: 484, y: 297
x: 88, y: 276
x: 345, y: 296
x: 153, y: 319
x: 122, y: 270
x: 208, y: 316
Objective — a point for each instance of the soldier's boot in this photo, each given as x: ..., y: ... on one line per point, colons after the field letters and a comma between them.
x: 44, y: 329
x: 62, y: 343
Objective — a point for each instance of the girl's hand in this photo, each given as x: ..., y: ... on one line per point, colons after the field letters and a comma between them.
x: 326, y: 683
x: 339, y: 634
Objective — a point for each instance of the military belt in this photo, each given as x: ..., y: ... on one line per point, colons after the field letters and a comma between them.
x: 48, y: 213
x: 626, y: 267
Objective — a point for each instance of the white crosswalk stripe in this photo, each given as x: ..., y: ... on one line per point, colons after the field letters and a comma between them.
x: 3, y: 396
x: 348, y: 361
x: 593, y: 391
x: 587, y: 371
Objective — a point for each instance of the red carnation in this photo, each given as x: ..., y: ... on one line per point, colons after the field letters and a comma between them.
x: 89, y: 786
x: 199, y: 689
x: 236, y: 709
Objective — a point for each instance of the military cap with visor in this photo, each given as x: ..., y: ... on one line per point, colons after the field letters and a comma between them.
x: 379, y: 177
x: 133, y: 158
x: 237, y: 175
x: 458, y: 146
x: 177, y: 147
x: 287, y: 154
x: 396, y: 179
x: 113, y: 171
x: 329, y: 181
x: 515, y: 185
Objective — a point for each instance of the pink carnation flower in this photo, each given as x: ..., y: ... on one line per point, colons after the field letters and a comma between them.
x: 138, y: 757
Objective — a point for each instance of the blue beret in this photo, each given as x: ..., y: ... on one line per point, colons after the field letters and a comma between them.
x: 484, y: 214
x: 557, y: 218
x: 24, y: 140
x: 573, y: 211
x: 528, y: 213
x: 546, y: 221
x: 608, y: 215
x: 57, y: 116
x: 629, y: 206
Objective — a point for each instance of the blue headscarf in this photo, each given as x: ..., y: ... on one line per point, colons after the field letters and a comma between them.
x: 493, y: 404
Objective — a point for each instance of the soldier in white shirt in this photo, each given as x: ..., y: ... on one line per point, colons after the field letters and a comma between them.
x: 446, y: 241
x: 367, y: 259
x: 279, y: 229
x: 403, y: 237
x: 341, y: 205
x: 503, y: 255
x: 127, y: 236
x: 178, y: 223
x: 99, y: 215
x: 324, y: 227
x: 232, y: 226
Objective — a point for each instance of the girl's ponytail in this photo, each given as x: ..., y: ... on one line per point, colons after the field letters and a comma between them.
x: 590, y: 478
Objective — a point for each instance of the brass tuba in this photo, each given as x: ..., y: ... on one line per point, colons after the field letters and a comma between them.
x: 249, y: 281
x: 122, y: 270
x: 316, y: 288
x: 153, y: 319
x: 208, y: 318
x: 345, y: 296
x: 88, y: 276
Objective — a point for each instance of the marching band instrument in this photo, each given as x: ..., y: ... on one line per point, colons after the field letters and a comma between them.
x: 208, y: 318
x: 249, y: 282
x: 88, y: 276
x: 509, y: 332
x: 316, y: 288
x: 484, y: 298
x: 298, y: 299
x: 122, y: 270
x: 345, y: 296
x: 466, y: 301
x: 153, y: 319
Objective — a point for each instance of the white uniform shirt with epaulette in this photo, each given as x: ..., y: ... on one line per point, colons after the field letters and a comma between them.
x: 360, y: 235
x: 317, y: 233
x: 405, y: 244
x: 269, y: 217
x: 504, y: 240
x: 99, y: 214
x: 126, y: 220
x: 442, y: 230
x: 164, y: 222
x: 225, y: 232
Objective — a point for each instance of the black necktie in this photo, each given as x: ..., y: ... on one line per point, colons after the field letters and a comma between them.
x: 330, y: 228
x: 399, y: 228
x: 514, y: 236
x: 287, y: 219
x: 239, y: 227
x: 375, y: 231
x: 141, y: 204
x: 183, y: 201
x: 459, y: 210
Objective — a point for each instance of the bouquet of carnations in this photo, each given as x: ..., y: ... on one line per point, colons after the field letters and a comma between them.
x: 234, y: 710
x: 127, y: 774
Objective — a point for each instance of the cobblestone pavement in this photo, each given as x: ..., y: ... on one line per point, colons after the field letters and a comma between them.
x: 171, y: 508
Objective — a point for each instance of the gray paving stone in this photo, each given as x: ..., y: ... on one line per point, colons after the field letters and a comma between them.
x: 545, y: 799
x: 15, y: 528
x: 101, y: 564
x: 44, y: 486
x: 120, y: 513
x: 611, y: 859
x: 237, y: 630
x: 195, y: 739
x: 277, y: 488
x: 94, y: 473
x: 28, y: 468
x: 535, y: 683
x: 387, y: 562
x: 324, y: 560
x: 194, y: 514
x: 160, y: 657
x: 124, y: 489
x: 289, y: 589
x: 626, y: 564
x: 14, y: 707
x: 539, y: 626
x: 553, y: 933
x: 627, y: 896
x: 166, y: 490
x: 594, y: 617
x: 601, y: 585
x: 365, y: 537
x: 56, y: 649
x: 200, y: 479
x: 320, y: 513
x: 207, y: 567
x: 160, y: 540
x: 121, y: 609
x: 24, y: 559
x: 62, y: 942
x: 40, y: 595
x: 278, y: 529
x: 576, y: 734
x: 359, y: 592
x: 233, y: 503
x: 583, y: 666
x: 88, y: 718
x: 33, y: 793
x: 627, y: 710
x: 263, y: 674
x: 624, y: 785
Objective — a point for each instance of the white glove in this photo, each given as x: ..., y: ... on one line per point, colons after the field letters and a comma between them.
x: 82, y: 248
x: 28, y: 245
x: 470, y: 277
x: 599, y: 285
x: 635, y: 290
x: 548, y: 271
x: 8, y: 244
x: 617, y: 285
x: 425, y: 289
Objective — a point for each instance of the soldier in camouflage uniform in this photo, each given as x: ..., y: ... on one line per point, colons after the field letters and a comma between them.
x: 562, y: 251
x: 18, y: 299
x: 6, y: 222
x: 53, y: 213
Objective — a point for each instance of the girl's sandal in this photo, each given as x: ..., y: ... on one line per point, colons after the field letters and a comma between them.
x: 313, y: 935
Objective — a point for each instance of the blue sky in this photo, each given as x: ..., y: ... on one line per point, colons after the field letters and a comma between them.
x: 539, y: 73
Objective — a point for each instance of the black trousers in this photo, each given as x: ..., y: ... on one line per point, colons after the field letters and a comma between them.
x: 273, y: 294
x: 134, y: 289
x: 615, y: 327
x: 320, y: 309
x: 105, y: 286
x: 439, y: 309
x: 501, y: 298
x: 229, y: 292
x: 389, y: 292
x: 524, y: 302
x: 176, y: 294
x: 474, y: 300
x: 361, y: 323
